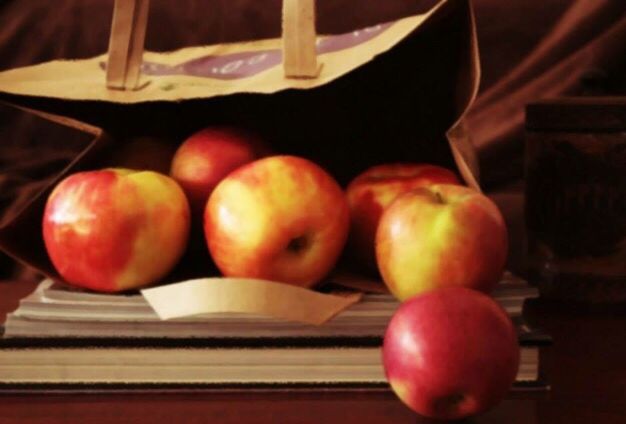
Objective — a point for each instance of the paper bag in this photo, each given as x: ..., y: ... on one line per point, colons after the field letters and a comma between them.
x: 392, y: 92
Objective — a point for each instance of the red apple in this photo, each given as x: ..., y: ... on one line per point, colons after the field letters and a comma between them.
x: 450, y: 353
x: 207, y: 156
x: 144, y: 153
x: 371, y: 192
x: 115, y: 229
x: 280, y: 218
x: 441, y: 236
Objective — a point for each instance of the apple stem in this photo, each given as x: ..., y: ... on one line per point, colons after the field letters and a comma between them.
x: 439, y: 197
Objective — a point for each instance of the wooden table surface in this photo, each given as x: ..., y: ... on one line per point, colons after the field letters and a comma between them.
x: 586, y: 367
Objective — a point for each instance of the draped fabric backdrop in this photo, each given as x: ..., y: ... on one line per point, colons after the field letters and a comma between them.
x: 529, y: 50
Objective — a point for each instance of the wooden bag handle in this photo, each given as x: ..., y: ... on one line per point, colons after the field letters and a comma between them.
x: 128, y: 32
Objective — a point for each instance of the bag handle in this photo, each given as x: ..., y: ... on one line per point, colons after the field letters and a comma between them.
x: 128, y: 32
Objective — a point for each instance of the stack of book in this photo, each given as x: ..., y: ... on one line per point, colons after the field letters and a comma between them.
x: 74, y: 340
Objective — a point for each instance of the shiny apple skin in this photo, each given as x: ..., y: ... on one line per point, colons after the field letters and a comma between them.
x: 451, y: 353
x: 207, y: 156
x: 372, y: 191
x: 441, y: 236
x: 115, y: 229
x: 281, y: 218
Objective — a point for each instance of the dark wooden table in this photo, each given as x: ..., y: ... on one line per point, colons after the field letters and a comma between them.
x: 586, y: 367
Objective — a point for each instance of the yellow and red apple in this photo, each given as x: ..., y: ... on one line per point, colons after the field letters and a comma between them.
x: 450, y: 353
x: 115, y: 229
x: 207, y: 156
x: 372, y: 191
x: 441, y: 236
x: 280, y: 218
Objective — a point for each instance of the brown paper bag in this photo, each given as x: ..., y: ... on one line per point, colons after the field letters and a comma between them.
x: 396, y: 91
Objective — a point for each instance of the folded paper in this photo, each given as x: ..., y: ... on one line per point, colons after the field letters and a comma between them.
x: 246, y: 295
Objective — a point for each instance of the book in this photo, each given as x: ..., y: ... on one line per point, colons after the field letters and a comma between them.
x: 55, y: 310
x: 60, y: 338
x: 23, y: 364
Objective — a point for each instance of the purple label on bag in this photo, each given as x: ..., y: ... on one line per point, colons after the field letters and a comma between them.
x: 247, y: 64
x: 231, y: 66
